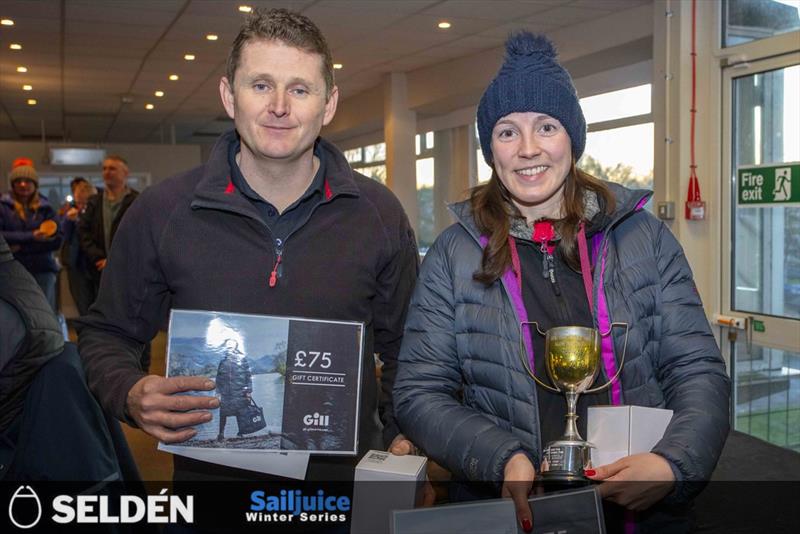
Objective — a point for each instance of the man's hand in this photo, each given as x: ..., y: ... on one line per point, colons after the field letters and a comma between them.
x: 401, y: 446
x: 517, y: 484
x: 649, y: 478
x: 72, y: 213
x: 165, y: 416
x: 100, y: 264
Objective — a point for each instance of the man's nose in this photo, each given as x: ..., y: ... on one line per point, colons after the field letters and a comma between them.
x: 279, y: 104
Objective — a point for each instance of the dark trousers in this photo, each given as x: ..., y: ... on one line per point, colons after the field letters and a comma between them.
x: 82, y: 288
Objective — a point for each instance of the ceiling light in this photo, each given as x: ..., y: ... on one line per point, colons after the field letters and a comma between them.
x: 7, y: 22
x: 188, y: 57
x: 444, y: 25
x: 159, y: 94
x: 31, y: 101
x: 337, y: 66
x: 149, y: 106
x: 173, y: 77
x: 22, y: 69
x: 15, y: 46
x: 212, y: 37
x: 245, y: 9
x: 27, y: 87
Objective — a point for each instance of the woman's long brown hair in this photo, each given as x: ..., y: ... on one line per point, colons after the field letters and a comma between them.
x: 493, y: 209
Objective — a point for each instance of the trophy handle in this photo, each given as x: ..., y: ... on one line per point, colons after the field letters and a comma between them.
x: 523, y: 354
x: 622, y: 360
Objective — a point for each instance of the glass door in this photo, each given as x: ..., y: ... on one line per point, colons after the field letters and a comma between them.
x: 761, y: 246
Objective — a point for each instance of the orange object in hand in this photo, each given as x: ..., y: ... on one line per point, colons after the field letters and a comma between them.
x: 48, y: 228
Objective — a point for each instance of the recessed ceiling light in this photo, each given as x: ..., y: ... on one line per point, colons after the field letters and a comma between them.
x: 188, y: 57
x: 444, y: 25
x: 338, y: 66
x: 149, y: 106
x: 27, y: 87
x: 245, y: 9
x: 173, y: 77
x: 212, y: 36
x: 7, y: 22
x: 31, y: 101
x: 22, y: 69
x: 15, y: 46
x: 159, y: 94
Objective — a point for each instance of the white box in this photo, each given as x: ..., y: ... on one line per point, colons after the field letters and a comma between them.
x: 619, y: 431
x: 384, y: 482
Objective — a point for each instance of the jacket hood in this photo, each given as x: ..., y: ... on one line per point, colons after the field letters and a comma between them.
x: 628, y: 201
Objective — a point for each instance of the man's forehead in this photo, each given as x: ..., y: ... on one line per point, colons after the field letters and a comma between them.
x: 276, y: 47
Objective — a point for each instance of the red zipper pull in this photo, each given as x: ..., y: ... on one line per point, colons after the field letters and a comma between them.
x: 273, y: 276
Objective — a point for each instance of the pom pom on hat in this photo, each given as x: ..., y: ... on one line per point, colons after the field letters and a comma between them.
x: 531, y: 79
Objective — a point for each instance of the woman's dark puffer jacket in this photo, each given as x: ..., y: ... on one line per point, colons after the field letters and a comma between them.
x: 462, y: 394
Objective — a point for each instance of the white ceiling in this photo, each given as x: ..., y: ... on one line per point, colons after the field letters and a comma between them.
x: 83, y: 56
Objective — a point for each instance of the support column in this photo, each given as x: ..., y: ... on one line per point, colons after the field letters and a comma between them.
x: 453, y: 151
x: 399, y: 128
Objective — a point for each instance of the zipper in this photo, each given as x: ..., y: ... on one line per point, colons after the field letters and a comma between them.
x: 277, y: 268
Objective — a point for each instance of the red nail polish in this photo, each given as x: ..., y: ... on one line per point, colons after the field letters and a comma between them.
x: 589, y: 472
x: 526, y: 525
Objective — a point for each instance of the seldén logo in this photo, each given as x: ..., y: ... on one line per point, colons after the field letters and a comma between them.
x: 25, y: 508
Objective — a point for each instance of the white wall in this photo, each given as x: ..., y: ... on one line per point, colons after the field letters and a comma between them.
x: 161, y: 161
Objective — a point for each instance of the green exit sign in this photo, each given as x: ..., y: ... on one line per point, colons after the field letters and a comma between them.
x: 769, y: 185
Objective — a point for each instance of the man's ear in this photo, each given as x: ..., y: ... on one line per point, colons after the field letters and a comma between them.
x: 226, y: 95
x: 330, y: 106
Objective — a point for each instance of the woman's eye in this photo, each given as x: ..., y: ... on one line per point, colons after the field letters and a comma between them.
x: 505, y: 133
x: 549, y: 128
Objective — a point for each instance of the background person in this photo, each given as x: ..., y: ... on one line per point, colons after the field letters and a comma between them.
x: 22, y: 213
x: 462, y: 392
x: 103, y: 214
x: 73, y: 258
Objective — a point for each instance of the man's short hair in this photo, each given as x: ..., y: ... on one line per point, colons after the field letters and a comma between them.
x: 117, y: 157
x: 290, y: 28
x: 76, y: 181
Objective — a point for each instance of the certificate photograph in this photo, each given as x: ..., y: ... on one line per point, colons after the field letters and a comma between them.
x: 283, y: 383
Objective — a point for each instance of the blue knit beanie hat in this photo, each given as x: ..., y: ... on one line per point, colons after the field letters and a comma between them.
x: 531, y: 80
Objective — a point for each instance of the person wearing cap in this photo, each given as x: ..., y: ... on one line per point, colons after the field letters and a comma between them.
x: 544, y: 241
x: 30, y: 226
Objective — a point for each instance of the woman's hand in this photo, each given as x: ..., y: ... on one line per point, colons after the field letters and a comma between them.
x: 401, y: 446
x: 517, y: 483
x: 649, y: 475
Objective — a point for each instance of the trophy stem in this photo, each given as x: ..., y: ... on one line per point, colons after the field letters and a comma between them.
x: 571, y: 433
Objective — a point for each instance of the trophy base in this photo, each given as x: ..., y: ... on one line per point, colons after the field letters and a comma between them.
x: 564, y: 462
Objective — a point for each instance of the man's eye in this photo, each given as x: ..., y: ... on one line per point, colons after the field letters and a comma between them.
x: 260, y: 86
x: 299, y: 91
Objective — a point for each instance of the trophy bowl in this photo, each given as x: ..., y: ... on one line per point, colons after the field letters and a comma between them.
x: 572, y: 357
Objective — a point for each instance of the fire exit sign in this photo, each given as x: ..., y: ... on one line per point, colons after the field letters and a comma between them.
x: 769, y: 185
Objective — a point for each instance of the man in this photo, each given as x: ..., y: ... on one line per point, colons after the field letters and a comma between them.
x: 234, y: 383
x: 276, y: 222
x: 73, y: 259
x: 100, y: 221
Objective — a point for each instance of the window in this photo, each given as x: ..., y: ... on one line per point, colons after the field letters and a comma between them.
x: 425, y: 180
x: 369, y: 161
x: 619, y: 144
x: 744, y: 21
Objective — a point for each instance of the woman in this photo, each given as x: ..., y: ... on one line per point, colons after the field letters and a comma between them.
x: 74, y: 260
x: 22, y: 213
x: 521, y: 252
